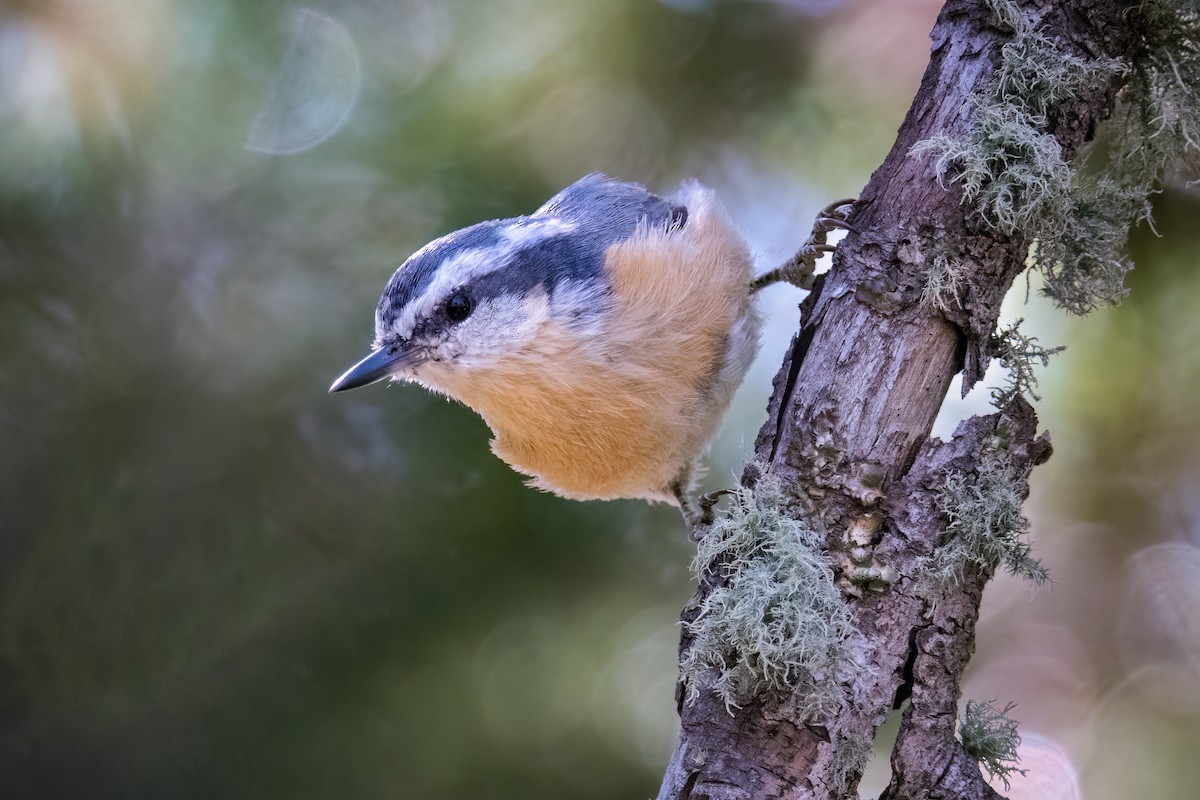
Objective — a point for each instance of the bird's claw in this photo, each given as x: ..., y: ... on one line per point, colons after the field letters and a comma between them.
x: 799, y: 269
x: 708, y: 501
x: 698, y: 512
x: 839, y: 210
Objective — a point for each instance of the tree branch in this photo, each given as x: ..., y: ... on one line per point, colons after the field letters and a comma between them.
x: 848, y: 436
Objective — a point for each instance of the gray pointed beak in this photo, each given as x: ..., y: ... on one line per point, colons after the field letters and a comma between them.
x: 375, y: 367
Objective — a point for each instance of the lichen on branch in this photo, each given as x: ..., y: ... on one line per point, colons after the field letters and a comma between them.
x: 775, y: 623
x: 1009, y: 162
x: 984, y: 524
x: 990, y: 736
x: 1019, y: 354
x: 1076, y: 212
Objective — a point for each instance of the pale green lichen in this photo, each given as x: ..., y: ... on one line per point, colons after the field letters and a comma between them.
x: 775, y: 623
x: 1009, y: 15
x: 1084, y: 266
x: 1164, y: 107
x: 1019, y: 354
x: 1009, y: 162
x: 985, y: 527
x: 942, y: 285
x: 991, y: 737
x: 1015, y: 170
x: 1154, y: 127
x: 1078, y: 214
x: 849, y: 758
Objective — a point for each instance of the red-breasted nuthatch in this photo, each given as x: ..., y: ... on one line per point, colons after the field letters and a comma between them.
x: 601, y: 338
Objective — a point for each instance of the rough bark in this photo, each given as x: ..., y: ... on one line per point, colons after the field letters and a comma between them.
x: 848, y: 432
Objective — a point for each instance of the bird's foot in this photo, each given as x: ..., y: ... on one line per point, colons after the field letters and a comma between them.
x: 698, y: 512
x: 799, y: 269
x: 708, y: 501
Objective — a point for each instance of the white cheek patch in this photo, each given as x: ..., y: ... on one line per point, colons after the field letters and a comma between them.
x: 581, y: 307
x: 497, y: 327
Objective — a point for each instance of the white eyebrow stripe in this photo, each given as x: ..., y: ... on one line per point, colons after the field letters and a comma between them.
x: 462, y: 268
x: 468, y: 265
x: 531, y: 230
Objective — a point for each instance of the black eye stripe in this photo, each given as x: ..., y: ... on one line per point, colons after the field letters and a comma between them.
x: 417, y: 273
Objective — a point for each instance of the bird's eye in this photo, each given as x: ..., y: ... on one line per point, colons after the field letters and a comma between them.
x: 458, y: 307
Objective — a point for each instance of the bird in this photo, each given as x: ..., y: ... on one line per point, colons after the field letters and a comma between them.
x: 601, y: 337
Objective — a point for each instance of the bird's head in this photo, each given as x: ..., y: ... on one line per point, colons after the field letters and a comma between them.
x: 478, y: 296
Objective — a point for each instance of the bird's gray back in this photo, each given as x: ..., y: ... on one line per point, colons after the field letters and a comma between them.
x: 611, y: 208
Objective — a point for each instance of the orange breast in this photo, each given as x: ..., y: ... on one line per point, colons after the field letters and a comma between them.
x: 622, y: 412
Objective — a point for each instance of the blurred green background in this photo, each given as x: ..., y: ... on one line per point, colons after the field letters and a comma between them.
x: 216, y: 580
